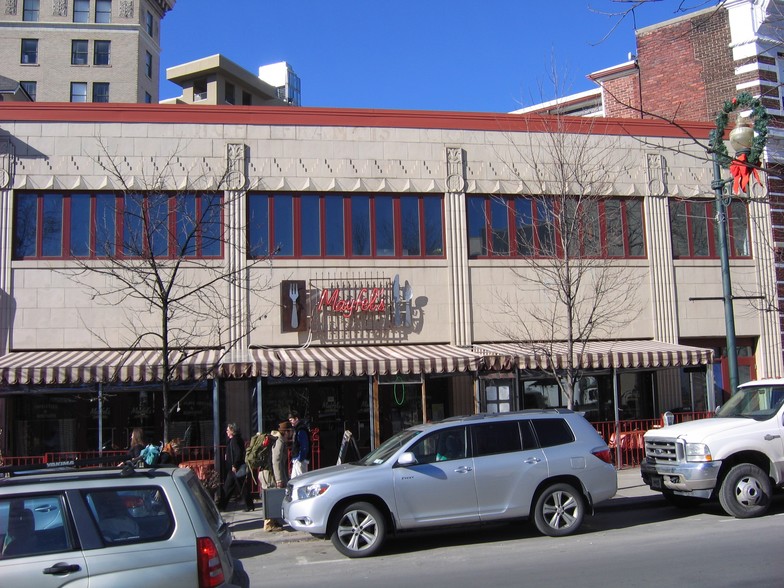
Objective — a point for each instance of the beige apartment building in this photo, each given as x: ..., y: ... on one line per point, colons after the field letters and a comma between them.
x: 83, y: 50
x: 370, y: 269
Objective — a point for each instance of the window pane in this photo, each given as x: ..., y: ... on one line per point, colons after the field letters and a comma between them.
x: 545, y: 228
x: 158, y: 219
x: 499, y: 217
x: 524, y: 225
x: 81, y: 10
x: 634, y: 228
x: 434, y: 225
x: 30, y: 10
x: 186, y: 224
x: 409, y: 222
x: 258, y: 225
x: 284, y: 224
x: 384, y: 226
x: 116, y: 513
x: 334, y: 225
x: 148, y: 23
x: 30, y: 51
x: 148, y: 64
x: 101, y: 92
x: 31, y: 88
x: 699, y: 223
x: 211, y: 225
x: 495, y: 438
x: 103, y: 11
x: 105, y: 233
x: 33, y: 525
x: 310, y: 224
x: 477, y: 229
x: 52, y: 230
x: 133, y: 237
x: 78, y: 92
x: 552, y: 432
x: 679, y: 229
x: 360, y: 225
x: 79, y: 52
x: 80, y: 225
x: 102, y: 52
x: 739, y: 224
x: 590, y: 234
x: 25, y: 225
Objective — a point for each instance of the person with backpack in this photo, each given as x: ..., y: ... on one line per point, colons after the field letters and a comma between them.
x: 274, y: 467
x: 300, y: 445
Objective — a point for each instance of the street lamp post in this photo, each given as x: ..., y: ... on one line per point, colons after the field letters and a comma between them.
x: 748, y: 145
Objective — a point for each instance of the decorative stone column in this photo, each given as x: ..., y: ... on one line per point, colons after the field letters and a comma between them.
x: 235, y: 206
x: 456, y: 235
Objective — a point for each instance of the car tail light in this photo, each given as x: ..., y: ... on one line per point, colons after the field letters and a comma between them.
x: 209, y: 563
x: 603, y: 454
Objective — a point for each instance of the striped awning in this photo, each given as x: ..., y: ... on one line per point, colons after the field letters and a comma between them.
x: 595, y: 355
x: 363, y: 361
x: 87, y: 367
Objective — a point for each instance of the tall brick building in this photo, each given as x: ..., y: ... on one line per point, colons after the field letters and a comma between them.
x: 685, y: 69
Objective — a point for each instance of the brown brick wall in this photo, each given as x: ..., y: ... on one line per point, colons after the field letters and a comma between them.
x: 622, y: 97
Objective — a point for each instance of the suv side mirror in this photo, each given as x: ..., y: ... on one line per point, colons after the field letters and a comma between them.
x: 407, y: 459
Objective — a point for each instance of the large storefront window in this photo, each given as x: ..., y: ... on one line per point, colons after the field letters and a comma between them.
x: 694, y: 232
x: 91, y: 225
x: 521, y: 226
x: 337, y: 225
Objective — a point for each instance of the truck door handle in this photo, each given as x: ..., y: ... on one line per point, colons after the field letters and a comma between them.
x: 770, y: 437
x: 532, y: 460
x: 463, y: 469
x: 62, y: 568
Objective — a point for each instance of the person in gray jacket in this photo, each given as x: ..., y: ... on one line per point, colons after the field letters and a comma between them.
x: 274, y: 473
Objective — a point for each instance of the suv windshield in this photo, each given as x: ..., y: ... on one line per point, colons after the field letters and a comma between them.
x: 758, y: 403
x: 389, y: 447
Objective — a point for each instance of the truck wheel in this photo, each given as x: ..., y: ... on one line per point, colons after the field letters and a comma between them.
x: 745, y: 492
x: 559, y: 510
x: 360, y: 530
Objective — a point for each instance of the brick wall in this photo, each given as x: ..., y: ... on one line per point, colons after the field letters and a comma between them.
x: 622, y: 97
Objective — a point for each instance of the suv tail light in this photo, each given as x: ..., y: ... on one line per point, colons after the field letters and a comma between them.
x: 209, y: 563
x: 603, y: 454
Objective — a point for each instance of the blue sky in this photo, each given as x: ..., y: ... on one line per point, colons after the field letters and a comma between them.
x: 456, y: 55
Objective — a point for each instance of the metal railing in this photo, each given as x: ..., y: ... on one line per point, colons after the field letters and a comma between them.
x: 625, y: 438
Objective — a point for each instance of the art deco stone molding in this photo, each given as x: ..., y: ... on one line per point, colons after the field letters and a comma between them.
x: 455, y: 172
x: 126, y: 9
x: 236, y: 175
x: 59, y: 8
x: 657, y: 174
x: 6, y: 164
x: 10, y: 7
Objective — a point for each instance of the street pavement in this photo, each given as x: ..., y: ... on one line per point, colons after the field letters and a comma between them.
x: 249, y: 526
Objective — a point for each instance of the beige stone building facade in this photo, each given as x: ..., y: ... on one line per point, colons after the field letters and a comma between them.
x: 376, y: 268
x: 83, y: 50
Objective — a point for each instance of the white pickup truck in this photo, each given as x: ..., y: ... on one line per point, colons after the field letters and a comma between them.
x: 737, y: 456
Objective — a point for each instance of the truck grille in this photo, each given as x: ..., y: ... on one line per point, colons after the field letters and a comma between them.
x: 661, y: 450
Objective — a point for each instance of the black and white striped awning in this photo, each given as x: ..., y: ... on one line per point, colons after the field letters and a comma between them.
x: 637, y: 354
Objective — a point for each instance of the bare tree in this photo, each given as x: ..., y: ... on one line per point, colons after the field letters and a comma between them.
x: 574, y: 241
x: 167, y: 269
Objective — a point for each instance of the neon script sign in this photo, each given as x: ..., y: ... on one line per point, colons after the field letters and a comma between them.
x: 367, y: 300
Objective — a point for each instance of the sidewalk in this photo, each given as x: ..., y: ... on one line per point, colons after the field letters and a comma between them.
x: 249, y: 526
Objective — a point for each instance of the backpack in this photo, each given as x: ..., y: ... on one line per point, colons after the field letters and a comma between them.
x: 258, y: 454
x: 151, y: 454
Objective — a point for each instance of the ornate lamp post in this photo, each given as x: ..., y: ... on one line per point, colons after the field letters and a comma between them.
x: 748, y: 144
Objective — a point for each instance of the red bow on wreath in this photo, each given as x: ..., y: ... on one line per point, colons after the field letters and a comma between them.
x: 741, y: 172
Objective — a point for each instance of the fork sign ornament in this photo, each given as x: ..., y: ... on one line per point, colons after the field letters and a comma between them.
x: 294, y: 295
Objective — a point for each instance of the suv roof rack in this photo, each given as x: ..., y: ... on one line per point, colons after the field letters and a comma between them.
x: 128, y: 466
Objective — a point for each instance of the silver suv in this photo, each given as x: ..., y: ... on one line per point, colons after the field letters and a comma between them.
x: 551, y: 464
x: 112, y: 527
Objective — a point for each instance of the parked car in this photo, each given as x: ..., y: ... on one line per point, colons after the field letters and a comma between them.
x: 119, y: 526
x: 549, y: 464
x: 737, y: 456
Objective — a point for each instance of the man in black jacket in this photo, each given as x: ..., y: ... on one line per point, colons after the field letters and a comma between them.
x: 235, y: 477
